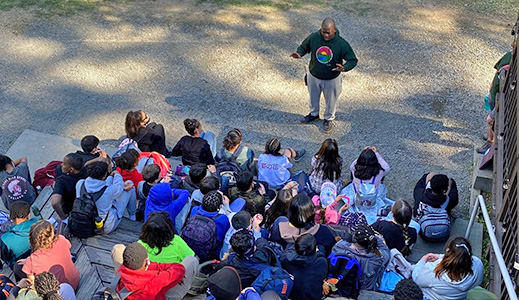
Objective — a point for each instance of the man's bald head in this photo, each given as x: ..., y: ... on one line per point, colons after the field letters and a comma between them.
x: 328, y: 29
x: 328, y: 23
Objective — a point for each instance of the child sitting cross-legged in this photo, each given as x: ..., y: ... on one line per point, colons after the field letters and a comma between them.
x: 308, y: 265
x: 244, y: 220
x: 163, y: 198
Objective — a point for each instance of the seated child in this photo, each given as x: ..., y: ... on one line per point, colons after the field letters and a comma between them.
x: 50, y: 253
x: 244, y: 220
x: 159, y: 238
x: 163, y: 198
x: 397, y: 233
x: 126, y: 166
x: 197, y: 172
x: 326, y: 203
x: 209, y: 183
x: 451, y: 275
x: 308, y: 265
x: 151, y: 280
x: 64, y: 192
x: 15, y: 181
x: 45, y: 286
x: 192, y: 147
x: 273, y: 166
x: 370, y: 251
x: 253, y: 193
x: 117, y: 195
x: 14, y: 244
x: 248, y: 256
x: 151, y: 176
x: 436, y: 191
x: 209, y: 209
x: 407, y: 289
x: 232, y: 147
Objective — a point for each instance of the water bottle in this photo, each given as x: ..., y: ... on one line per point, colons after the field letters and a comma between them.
x: 99, y: 225
x: 487, y: 102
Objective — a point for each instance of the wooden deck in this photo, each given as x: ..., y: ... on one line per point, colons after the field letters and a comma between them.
x: 93, y: 255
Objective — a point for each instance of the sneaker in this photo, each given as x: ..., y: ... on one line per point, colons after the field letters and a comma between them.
x: 327, y: 126
x: 308, y: 118
x: 484, y: 137
x: 299, y: 155
x: 484, y: 148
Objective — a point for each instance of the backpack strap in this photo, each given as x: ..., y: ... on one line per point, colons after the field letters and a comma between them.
x: 373, y: 180
x: 238, y: 151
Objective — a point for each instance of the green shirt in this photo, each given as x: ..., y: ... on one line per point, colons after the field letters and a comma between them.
x: 325, y: 55
x: 174, y: 253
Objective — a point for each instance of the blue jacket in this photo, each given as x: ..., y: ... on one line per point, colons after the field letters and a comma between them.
x: 163, y: 198
x: 14, y: 244
x: 222, y: 223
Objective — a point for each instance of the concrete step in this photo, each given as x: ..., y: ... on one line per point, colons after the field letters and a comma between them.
x: 458, y: 227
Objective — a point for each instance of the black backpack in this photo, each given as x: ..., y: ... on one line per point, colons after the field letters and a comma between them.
x: 228, y: 167
x: 347, y: 273
x: 84, y: 213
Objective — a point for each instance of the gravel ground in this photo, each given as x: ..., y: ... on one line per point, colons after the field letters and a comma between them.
x: 416, y: 93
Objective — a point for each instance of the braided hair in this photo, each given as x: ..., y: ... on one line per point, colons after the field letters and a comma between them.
x: 364, y: 235
x: 47, y: 286
x: 402, y: 213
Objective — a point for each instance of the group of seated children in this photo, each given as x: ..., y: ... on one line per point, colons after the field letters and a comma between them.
x: 295, y: 227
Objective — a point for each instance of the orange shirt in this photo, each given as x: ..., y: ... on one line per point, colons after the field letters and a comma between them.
x: 55, y: 260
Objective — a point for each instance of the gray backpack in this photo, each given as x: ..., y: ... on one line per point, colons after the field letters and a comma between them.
x: 435, y: 226
x: 366, y: 194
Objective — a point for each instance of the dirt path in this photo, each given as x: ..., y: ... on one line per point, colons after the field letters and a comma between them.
x: 416, y: 93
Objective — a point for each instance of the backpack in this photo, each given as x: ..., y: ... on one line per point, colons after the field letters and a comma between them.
x: 200, y: 235
x: 84, y: 212
x: 346, y: 272
x: 398, y: 264
x: 352, y: 220
x: 150, y: 158
x: 6, y: 285
x: 249, y: 294
x: 435, y: 226
x: 45, y: 176
x: 275, y: 279
x: 228, y: 167
x: 365, y: 194
x: 200, y: 281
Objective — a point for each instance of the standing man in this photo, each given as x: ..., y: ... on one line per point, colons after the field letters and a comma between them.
x: 328, y: 50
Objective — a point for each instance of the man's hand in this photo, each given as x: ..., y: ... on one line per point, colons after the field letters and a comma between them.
x: 256, y: 221
x: 211, y: 168
x: 295, y: 55
x: 339, y: 68
x: 24, y: 283
x: 102, y: 153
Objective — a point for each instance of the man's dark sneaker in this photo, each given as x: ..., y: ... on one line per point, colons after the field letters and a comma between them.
x: 327, y: 126
x: 484, y: 148
x: 308, y: 118
x: 299, y: 155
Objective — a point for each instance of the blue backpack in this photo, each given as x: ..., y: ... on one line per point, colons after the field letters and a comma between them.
x: 347, y: 271
x: 274, y: 279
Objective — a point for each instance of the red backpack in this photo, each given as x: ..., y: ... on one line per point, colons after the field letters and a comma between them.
x: 148, y: 158
x: 46, y: 175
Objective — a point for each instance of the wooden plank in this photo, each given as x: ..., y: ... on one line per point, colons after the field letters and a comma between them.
x: 106, y: 274
x: 99, y: 256
x: 90, y: 280
x: 129, y: 226
x: 108, y: 241
x: 76, y: 244
x: 43, y: 198
x: 7, y: 271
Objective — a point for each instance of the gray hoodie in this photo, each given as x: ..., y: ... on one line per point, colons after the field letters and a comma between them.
x: 114, y: 191
x: 372, y: 266
x: 445, y: 288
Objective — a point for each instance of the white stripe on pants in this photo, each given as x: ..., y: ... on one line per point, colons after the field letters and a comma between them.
x: 330, y: 88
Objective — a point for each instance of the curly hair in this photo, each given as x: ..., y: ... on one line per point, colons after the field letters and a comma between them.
x: 47, y: 286
x: 40, y: 235
x: 158, y: 231
x: 407, y: 289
